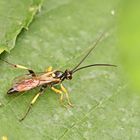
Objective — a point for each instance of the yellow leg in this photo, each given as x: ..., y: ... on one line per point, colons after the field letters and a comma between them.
x: 20, y: 67
x: 30, y: 106
x: 49, y: 69
x: 56, y: 90
x: 67, y: 95
x: 61, y: 95
x: 25, y: 68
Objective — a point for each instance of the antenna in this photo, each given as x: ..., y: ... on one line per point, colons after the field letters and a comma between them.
x: 92, y: 65
x: 94, y: 45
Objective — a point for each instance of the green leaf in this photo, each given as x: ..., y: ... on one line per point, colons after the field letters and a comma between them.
x: 129, y: 41
x: 14, y: 17
x: 60, y: 36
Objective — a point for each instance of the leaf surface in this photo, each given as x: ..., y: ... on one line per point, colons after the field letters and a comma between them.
x: 60, y: 36
x: 14, y: 17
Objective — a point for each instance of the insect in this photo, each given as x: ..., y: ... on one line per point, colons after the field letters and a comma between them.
x: 48, y: 79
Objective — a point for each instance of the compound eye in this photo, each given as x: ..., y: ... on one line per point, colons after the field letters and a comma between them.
x: 69, y: 77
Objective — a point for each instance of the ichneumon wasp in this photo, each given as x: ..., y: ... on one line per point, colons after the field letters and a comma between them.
x: 50, y: 78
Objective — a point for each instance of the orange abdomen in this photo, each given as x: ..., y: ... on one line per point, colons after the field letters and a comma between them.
x: 24, y: 85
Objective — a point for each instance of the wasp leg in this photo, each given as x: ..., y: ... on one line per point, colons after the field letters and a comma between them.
x: 33, y: 101
x: 49, y: 69
x: 61, y: 95
x: 67, y: 95
x: 30, y: 106
x: 20, y: 67
x: 56, y: 90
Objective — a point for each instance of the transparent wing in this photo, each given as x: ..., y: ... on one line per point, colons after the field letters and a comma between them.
x: 41, y: 76
x: 21, y: 78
